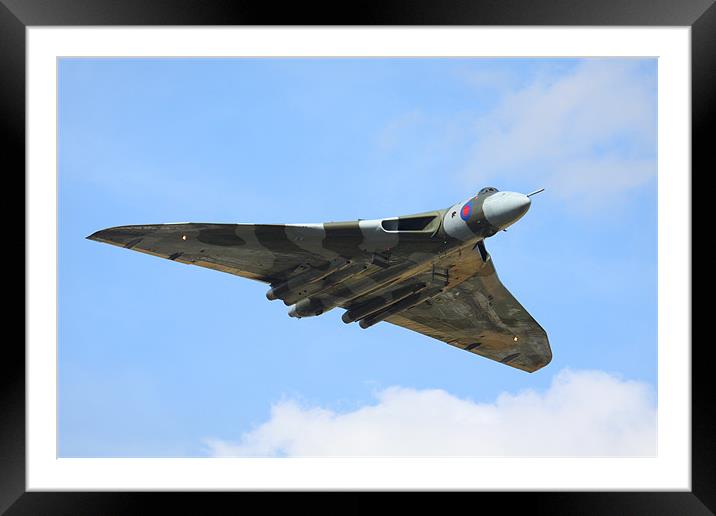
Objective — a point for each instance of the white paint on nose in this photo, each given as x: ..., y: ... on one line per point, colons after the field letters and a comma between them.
x: 505, y: 208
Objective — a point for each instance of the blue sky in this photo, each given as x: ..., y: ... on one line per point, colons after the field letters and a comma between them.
x: 157, y: 358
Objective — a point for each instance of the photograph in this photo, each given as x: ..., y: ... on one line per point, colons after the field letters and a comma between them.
x: 284, y: 257
x: 426, y: 249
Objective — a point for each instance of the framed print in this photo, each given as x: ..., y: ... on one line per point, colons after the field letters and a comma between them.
x: 552, y: 145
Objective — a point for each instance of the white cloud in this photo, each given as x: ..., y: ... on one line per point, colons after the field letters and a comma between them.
x: 582, y: 413
x: 588, y: 136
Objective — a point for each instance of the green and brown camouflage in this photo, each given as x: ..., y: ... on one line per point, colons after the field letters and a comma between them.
x: 428, y: 272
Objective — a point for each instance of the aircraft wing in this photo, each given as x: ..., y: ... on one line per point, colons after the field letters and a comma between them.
x: 263, y: 252
x: 481, y: 316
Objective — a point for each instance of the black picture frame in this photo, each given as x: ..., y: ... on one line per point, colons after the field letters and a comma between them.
x: 17, y: 15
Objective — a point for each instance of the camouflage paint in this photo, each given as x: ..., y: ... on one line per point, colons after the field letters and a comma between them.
x: 421, y: 271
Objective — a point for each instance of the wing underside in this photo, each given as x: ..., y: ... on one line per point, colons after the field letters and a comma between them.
x: 261, y: 252
x: 480, y: 315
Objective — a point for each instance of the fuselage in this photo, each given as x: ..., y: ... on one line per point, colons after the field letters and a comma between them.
x: 418, y: 243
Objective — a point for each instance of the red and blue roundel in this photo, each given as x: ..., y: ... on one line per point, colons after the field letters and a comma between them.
x: 466, y: 211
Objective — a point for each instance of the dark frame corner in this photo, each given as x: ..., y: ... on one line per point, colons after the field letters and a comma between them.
x: 17, y: 15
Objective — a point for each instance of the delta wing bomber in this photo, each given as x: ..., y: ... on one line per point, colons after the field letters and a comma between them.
x: 429, y: 272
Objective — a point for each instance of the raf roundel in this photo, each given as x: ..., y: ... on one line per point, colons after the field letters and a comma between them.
x: 465, y: 211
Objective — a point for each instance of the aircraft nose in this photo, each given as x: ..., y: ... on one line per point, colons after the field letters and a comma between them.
x: 505, y: 208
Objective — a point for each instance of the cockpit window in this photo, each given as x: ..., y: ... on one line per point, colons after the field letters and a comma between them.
x: 488, y: 190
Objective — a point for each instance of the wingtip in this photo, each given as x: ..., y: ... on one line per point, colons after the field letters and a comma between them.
x: 103, y: 235
x: 119, y: 235
x: 541, y: 363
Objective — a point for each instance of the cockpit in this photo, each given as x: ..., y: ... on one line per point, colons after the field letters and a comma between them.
x: 488, y: 189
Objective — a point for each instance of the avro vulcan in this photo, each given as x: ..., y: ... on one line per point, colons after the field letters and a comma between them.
x: 428, y: 272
